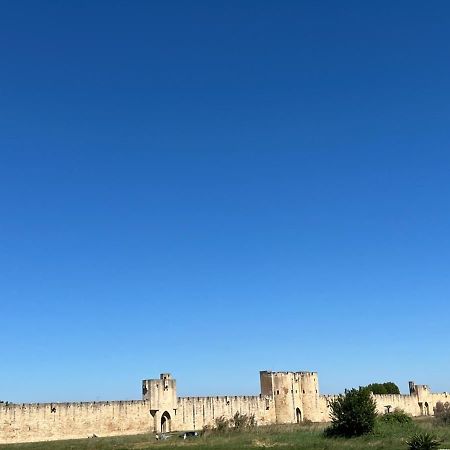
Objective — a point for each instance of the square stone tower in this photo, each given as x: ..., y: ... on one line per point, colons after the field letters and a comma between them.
x: 161, y: 395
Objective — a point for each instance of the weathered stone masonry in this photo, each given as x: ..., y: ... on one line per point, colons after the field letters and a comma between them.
x: 286, y: 397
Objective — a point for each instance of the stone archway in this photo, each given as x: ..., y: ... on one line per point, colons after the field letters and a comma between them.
x: 165, y: 422
x: 298, y: 415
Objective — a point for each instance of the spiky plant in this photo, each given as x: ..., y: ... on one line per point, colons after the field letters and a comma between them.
x: 423, y: 441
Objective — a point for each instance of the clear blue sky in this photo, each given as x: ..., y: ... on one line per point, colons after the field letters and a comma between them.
x: 218, y: 188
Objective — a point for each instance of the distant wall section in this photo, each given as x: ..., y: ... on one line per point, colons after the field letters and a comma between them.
x: 52, y: 421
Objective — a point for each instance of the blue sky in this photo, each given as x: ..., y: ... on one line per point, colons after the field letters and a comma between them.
x: 218, y: 188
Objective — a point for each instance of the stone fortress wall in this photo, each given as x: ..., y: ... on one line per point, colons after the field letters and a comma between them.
x: 52, y: 421
x: 420, y: 401
x: 286, y: 397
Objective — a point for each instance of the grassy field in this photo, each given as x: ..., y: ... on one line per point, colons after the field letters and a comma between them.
x: 386, y: 436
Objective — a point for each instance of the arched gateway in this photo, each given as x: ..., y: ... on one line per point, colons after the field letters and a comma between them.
x: 165, y: 422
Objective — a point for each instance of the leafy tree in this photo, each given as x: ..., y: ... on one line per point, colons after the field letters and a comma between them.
x: 383, y: 388
x: 352, y: 414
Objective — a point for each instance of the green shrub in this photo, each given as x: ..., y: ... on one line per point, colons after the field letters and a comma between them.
x: 423, y: 441
x: 352, y: 414
x: 397, y: 416
x: 442, y: 412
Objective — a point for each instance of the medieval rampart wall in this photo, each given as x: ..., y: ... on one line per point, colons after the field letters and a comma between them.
x: 52, y: 421
x: 193, y: 413
x: 443, y: 398
x: 323, y: 408
x: 408, y: 403
x: 420, y: 404
x: 286, y: 397
x: 415, y: 404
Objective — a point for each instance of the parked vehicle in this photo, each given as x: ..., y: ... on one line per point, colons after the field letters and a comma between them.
x: 189, y: 434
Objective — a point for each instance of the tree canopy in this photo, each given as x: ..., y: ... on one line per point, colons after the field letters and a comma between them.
x: 383, y: 388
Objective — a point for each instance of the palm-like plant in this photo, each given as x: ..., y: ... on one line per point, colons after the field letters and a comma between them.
x: 423, y: 441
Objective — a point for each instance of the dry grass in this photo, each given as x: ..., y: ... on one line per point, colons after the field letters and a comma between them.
x: 386, y: 437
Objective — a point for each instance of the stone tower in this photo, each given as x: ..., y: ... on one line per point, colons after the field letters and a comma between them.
x: 310, y: 394
x: 161, y: 395
x: 295, y: 394
x: 424, y: 397
x: 285, y: 388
